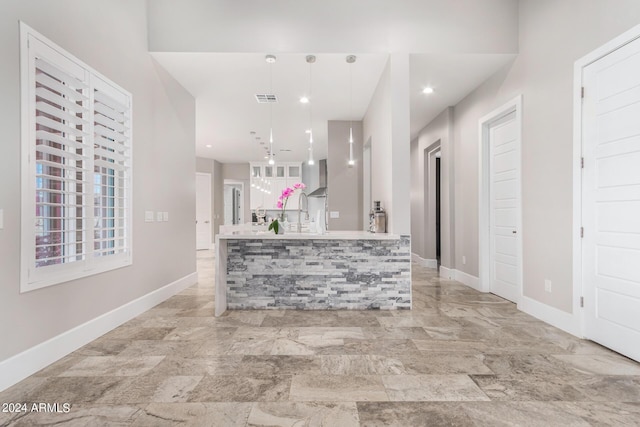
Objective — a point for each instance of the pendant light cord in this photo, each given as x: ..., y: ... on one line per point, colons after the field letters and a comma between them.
x: 311, y: 103
x: 351, y: 59
x: 271, y: 107
x: 351, y: 102
x: 271, y: 160
x: 310, y: 60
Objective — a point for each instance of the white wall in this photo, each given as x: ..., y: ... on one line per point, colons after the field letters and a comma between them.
x: 376, y: 126
x: 399, y: 216
x: 110, y: 37
x: 553, y: 35
x: 386, y: 124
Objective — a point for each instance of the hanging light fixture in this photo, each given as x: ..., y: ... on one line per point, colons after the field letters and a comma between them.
x: 271, y: 59
x: 350, y: 60
x: 310, y: 60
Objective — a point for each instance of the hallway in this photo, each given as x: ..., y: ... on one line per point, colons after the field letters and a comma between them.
x: 458, y: 358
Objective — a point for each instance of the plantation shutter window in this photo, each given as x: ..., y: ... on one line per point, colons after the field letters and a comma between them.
x: 76, y: 163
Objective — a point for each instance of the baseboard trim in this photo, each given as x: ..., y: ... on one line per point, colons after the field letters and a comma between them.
x: 22, y: 365
x: 467, y: 279
x: 446, y: 273
x: 568, y: 322
x: 428, y: 263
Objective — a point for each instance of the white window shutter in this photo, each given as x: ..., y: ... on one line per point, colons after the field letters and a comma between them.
x: 76, y: 181
x: 112, y: 169
x: 60, y: 164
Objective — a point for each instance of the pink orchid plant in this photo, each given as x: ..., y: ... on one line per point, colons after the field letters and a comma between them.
x: 282, y: 203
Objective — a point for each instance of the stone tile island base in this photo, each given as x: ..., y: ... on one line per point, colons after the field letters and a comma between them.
x: 340, y: 270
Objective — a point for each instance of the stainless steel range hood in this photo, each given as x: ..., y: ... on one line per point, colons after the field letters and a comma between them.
x: 322, y: 190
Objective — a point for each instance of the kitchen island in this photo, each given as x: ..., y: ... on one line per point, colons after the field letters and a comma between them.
x: 335, y: 270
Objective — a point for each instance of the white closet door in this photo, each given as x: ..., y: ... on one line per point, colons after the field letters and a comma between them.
x: 611, y: 200
x: 504, y: 208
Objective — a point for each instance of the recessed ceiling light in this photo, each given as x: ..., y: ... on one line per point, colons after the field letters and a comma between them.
x: 304, y: 100
x: 270, y: 59
x: 427, y: 90
x: 208, y: 145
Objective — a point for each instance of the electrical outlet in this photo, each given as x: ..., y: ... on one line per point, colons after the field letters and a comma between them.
x: 547, y: 285
x: 334, y: 214
x: 148, y: 216
x: 464, y: 260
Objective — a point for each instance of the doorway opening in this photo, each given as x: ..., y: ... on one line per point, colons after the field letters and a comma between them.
x: 233, y: 202
x: 438, y: 212
x: 432, y: 243
x: 203, y: 211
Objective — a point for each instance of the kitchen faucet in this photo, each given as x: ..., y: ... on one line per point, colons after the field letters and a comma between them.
x: 306, y: 211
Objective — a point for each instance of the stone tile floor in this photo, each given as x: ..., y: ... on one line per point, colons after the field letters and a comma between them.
x: 459, y: 358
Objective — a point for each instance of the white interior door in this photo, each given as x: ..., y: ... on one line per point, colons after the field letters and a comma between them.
x: 203, y: 211
x: 504, y: 208
x: 611, y: 200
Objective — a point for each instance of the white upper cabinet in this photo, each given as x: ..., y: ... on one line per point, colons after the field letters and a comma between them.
x: 271, y: 180
x: 294, y: 171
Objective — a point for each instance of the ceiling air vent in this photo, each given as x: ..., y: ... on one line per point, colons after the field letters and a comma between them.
x: 265, y: 99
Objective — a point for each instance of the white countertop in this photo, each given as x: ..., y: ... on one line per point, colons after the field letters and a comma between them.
x: 290, y: 235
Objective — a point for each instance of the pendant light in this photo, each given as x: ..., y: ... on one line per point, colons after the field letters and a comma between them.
x: 310, y: 60
x: 350, y: 60
x: 271, y: 59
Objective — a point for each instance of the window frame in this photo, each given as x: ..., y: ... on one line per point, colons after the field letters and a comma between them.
x: 34, y: 45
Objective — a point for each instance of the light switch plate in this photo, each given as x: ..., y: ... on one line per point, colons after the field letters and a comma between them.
x: 148, y: 216
x: 165, y: 216
x: 334, y: 214
x: 159, y: 216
